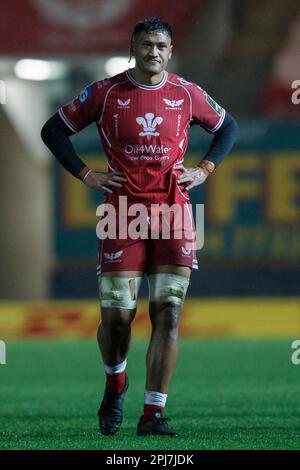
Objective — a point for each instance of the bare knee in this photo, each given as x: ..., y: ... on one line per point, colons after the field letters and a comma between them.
x: 165, y: 320
x: 116, y: 320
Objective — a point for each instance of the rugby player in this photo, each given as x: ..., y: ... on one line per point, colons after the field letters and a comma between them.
x: 142, y: 116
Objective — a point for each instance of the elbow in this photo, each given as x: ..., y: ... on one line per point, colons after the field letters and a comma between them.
x: 53, y: 129
x: 49, y: 131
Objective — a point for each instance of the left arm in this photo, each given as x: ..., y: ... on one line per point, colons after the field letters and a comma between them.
x: 223, y: 141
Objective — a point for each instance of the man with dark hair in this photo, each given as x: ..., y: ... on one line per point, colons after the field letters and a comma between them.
x: 142, y: 117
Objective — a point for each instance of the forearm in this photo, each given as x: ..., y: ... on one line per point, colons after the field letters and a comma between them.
x: 56, y: 137
x: 223, y: 141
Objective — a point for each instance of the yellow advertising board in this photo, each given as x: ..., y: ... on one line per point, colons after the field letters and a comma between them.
x: 205, y: 318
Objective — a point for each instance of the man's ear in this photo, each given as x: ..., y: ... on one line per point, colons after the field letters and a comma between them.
x: 170, y: 53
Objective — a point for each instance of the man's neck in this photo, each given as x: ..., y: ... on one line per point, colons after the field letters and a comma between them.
x: 141, y: 77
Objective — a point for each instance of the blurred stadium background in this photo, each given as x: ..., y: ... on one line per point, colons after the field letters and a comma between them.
x: 245, y: 53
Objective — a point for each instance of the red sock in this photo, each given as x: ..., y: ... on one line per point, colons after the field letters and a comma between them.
x: 116, y: 382
x: 150, y: 410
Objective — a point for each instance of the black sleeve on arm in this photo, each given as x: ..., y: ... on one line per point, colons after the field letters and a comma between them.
x: 223, y: 140
x: 56, y: 135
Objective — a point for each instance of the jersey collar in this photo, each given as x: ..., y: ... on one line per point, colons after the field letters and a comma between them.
x: 147, y: 87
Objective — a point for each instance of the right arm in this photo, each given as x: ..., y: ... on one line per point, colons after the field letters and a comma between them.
x: 56, y: 136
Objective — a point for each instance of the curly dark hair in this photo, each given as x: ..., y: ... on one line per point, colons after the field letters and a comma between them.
x: 150, y: 25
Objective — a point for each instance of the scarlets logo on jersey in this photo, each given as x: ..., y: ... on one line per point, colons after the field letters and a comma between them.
x: 186, y: 251
x: 173, y: 104
x: 113, y: 256
x: 149, y: 123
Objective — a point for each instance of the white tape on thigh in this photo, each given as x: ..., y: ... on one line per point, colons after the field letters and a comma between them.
x: 164, y: 287
x: 119, y: 292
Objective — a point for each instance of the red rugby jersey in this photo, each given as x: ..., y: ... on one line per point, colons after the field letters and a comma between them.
x: 144, y: 130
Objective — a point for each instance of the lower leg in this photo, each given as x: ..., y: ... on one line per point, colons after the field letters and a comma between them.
x: 162, y: 351
x: 167, y: 287
x: 161, y: 356
x: 114, y: 335
x: 113, y: 342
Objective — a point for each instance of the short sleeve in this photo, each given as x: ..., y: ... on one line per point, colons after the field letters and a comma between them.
x: 86, y: 107
x: 206, y: 112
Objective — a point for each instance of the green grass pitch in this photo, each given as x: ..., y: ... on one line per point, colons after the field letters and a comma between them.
x: 226, y: 394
